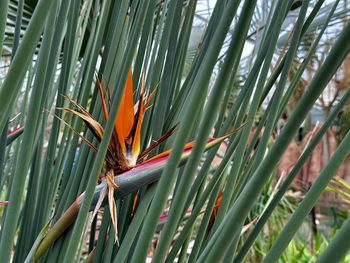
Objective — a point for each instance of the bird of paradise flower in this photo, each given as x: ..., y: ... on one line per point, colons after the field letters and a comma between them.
x: 124, y: 148
x: 123, y: 158
x: 123, y: 151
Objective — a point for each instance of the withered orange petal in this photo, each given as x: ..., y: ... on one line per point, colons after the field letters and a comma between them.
x: 104, y: 106
x: 94, y: 124
x: 215, y: 211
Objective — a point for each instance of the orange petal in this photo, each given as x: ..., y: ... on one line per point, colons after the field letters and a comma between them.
x: 136, y: 198
x: 125, y: 116
x: 137, y: 136
x: 215, y: 211
x: 187, y: 147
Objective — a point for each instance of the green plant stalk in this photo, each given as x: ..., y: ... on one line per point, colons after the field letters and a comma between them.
x: 3, y: 144
x: 111, y: 34
x: 201, y: 201
x: 218, y: 131
x: 44, y: 191
x: 73, y: 182
x: 80, y: 182
x: 9, y: 139
x: 156, y: 44
x: 156, y: 61
x: 17, y: 188
x: 163, y: 34
x: 313, y: 143
x: 214, y: 185
x: 3, y: 17
x: 62, y: 224
x: 283, y: 188
x: 146, y: 34
x: 224, y: 129
x: 187, y: 241
x: 88, y: 160
x: 204, y: 128
x: 182, y: 47
x: 58, y: 250
x: 191, y: 111
x: 108, y: 248
x: 125, y: 217
x: 240, y: 106
x: 295, y: 80
x: 184, y: 247
x: 59, y: 167
x: 203, y: 229
x: 62, y: 87
x: 177, y: 195
x: 277, y: 96
x: 21, y: 61
x: 82, y: 244
x: 98, y: 163
x: 237, y: 162
x: 309, y: 201
x: 161, y: 105
x: 274, y: 108
x: 70, y: 184
x: 339, y: 245
x: 24, y: 241
x: 232, y: 249
x: 119, y: 52
x: 241, y: 208
x: 307, y: 23
x: 102, y: 236
x: 270, y: 116
x: 21, y: 120
x: 242, y: 102
x: 30, y: 256
x: 134, y: 227
x: 62, y: 152
x: 225, y: 105
x: 19, y: 16
x: 181, y: 98
x: 113, y: 45
x: 81, y: 25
